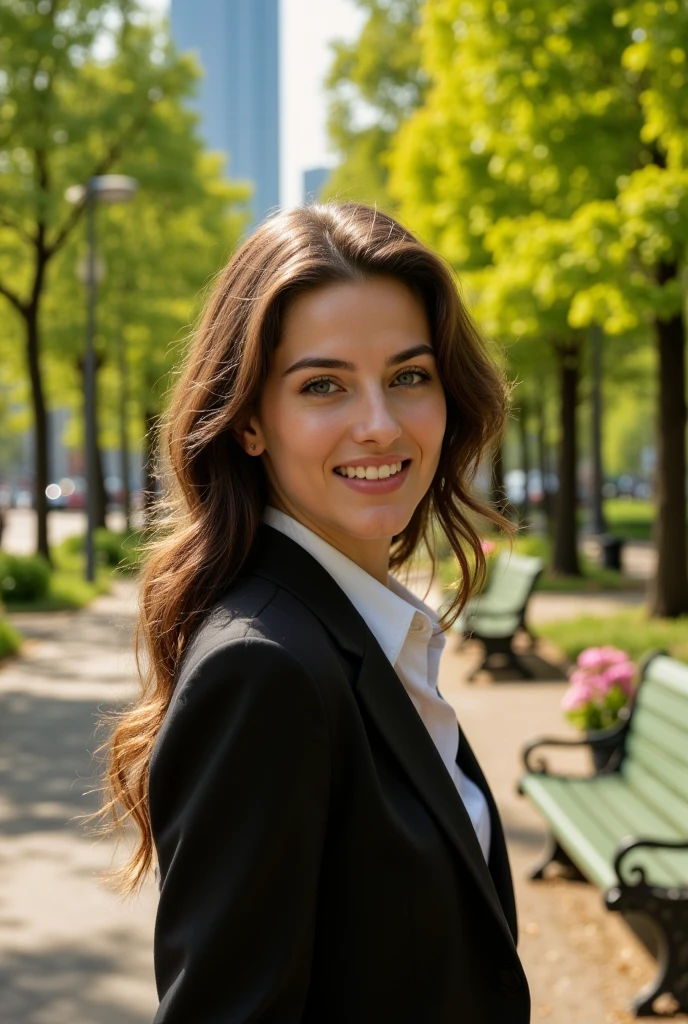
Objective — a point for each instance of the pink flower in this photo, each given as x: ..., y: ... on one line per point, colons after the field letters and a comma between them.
x: 598, y: 658
x: 621, y: 674
x: 577, y: 696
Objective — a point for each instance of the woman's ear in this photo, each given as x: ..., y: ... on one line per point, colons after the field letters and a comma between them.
x: 250, y: 437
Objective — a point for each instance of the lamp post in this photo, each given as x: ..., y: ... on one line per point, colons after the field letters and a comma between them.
x: 103, y: 188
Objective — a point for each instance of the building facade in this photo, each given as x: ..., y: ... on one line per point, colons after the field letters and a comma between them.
x: 237, y: 44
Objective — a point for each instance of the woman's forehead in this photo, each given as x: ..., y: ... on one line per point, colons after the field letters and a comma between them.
x: 377, y: 312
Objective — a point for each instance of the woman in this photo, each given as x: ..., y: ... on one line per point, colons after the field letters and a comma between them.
x: 328, y: 849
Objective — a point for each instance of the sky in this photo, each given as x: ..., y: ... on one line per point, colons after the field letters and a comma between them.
x: 306, y: 29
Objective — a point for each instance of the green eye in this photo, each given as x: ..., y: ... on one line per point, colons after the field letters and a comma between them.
x: 320, y: 387
x: 406, y: 378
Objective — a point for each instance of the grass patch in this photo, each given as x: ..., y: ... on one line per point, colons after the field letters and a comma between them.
x: 631, y: 631
x: 628, y: 518
x: 10, y: 639
x: 116, y: 555
x: 68, y: 588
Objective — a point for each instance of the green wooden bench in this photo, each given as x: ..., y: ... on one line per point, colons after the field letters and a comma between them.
x: 626, y: 828
x: 496, y: 615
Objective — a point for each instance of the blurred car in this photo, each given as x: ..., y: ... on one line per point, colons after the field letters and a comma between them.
x: 515, y: 481
x: 76, y: 496
x: 69, y: 492
x: 22, y: 498
x: 114, y: 491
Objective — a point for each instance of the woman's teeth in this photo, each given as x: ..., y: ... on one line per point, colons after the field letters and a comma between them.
x: 369, y: 472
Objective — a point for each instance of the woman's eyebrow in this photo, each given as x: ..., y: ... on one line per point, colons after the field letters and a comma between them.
x: 322, y: 363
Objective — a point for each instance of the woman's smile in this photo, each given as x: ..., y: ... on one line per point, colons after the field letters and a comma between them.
x: 380, y: 476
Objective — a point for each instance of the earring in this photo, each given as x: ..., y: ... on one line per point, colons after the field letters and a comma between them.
x: 252, y: 447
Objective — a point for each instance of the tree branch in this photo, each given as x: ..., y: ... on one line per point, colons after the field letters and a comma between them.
x: 5, y: 222
x: 13, y: 298
x: 101, y: 167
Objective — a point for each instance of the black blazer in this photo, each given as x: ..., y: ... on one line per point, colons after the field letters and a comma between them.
x: 316, y: 862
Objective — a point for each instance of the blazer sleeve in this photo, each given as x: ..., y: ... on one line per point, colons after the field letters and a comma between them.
x: 238, y: 797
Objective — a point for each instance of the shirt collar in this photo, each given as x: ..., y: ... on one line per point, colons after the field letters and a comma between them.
x: 389, y: 612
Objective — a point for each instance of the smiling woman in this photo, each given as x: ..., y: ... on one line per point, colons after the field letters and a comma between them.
x: 327, y: 846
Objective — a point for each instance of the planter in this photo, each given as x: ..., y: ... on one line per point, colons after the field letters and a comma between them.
x: 602, y: 753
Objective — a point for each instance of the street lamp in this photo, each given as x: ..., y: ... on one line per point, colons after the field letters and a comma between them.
x: 102, y: 188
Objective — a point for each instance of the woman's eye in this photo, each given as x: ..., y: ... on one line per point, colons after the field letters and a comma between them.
x: 323, y: 386
x: 409, y: 378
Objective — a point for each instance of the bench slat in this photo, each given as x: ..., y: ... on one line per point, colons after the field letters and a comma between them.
x: 664, y: 736
x: 590, y: 845
x: 669, y: 673
x: 630, y: 815
x: 673, y: 804
x: 670, y: 773
x: 585, y: 816
x: 665, y: 703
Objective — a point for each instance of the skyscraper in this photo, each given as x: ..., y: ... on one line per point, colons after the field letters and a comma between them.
x: 313, y: 181
x: 236, y: 42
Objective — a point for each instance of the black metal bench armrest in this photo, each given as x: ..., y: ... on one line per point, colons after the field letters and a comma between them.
x: 592, y: 739
x: 634, y: 843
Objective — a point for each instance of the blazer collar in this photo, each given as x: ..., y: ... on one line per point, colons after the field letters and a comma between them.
x: 281, y: 560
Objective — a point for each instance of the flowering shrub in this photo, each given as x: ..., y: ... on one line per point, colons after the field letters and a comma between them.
x: 602, y: 683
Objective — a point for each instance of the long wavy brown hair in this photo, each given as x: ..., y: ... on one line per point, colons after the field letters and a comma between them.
x: 214, y: 494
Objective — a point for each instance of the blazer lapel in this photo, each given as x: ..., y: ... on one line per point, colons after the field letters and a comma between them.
x: 283, y: 561
x: 396, y: 718
x: 499, y: 858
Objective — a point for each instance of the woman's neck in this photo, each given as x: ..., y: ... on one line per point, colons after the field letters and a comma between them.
x: 370, y: 555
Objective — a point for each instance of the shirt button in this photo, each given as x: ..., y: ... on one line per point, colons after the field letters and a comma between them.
x: 510, y: 980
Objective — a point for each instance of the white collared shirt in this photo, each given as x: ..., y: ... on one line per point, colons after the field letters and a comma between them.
x: 406, y: 630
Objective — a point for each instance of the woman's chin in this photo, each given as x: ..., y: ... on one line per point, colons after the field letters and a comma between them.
x: 375, y: 523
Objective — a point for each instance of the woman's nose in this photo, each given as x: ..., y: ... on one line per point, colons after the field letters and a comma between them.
x: 375, y: 419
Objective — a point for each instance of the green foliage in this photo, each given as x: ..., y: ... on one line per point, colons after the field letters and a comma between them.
x: 91, y: 88
x: 10, y: 639
x: 600, y: 715
x: 374, y: 83
x: 550, y: 149
x: 23, y: 578
x: 632, y: 631
x: 116, y: 550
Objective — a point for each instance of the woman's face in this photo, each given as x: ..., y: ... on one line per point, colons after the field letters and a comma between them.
x: 352, y: 415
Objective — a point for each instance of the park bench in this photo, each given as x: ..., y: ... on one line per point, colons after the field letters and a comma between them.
x: 495, y: 616
x: 625, y: 829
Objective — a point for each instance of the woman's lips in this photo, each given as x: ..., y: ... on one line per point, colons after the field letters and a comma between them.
x: 391, y: 483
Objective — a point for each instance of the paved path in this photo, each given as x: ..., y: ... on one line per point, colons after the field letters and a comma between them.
x: 73, y: 953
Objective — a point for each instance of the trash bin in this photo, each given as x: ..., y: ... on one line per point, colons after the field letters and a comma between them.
x: 611, y: 551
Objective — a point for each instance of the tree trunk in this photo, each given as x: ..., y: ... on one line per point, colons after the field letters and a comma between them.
x: 565, y: 557
x: 543, y: 466
x: 150, y: 485
x: 123, y: 435
x: 101, y: 496
x: 599, y: 525
x: 668, y: 592
x: 40, y: 420
x: 525, y: 461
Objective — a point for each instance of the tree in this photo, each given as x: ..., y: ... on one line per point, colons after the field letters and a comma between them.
x: 87, y: 88
x: 374, y: 83
x: 158, y: 254
x: 535, y: 108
